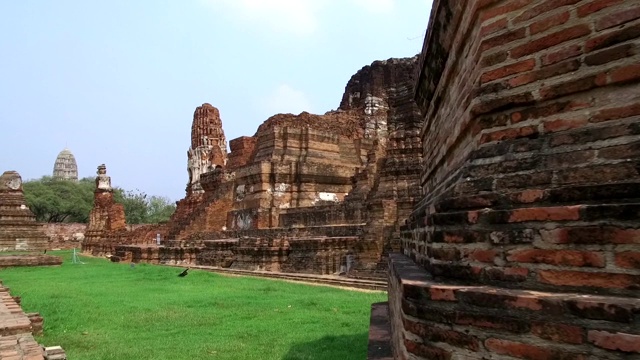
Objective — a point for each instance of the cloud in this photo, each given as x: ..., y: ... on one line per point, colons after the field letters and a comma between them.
x: 286, y: 99
x: 376, y: 6
x: 296, y: 17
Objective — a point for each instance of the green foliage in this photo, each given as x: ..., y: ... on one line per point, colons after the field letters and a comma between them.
x: 54, y: 200
x: 142, y: 209
x: 103, y: 310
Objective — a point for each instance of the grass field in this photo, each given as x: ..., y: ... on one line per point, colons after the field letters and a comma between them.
x: 103, y: 310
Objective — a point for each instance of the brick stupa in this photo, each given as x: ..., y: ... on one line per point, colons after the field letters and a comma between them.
x: 18, y: 227
x: 107, y: 217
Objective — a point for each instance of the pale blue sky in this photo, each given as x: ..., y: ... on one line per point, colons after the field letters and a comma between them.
x: 117, y: 81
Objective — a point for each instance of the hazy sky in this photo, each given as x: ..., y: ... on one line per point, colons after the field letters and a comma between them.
x: 117, y: 81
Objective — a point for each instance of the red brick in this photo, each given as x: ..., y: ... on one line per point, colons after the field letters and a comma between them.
x: 591, y: 279
x: 516, y: 271
x: 630, y: 73
x: 558, y: 332
x: 562, y: 54
x: 621, y: 17
x: 545, y: 73
x: 507, y: 70
x: 503, y: 39
x: 472, y: 217
x: 504, y: 9
x: 495, y: 26
x: 615, y: 341
x: 594, y: 6
x: 437, y: 334
x: 626, y: 236
x: 558, y: 213
x: 549, y: 22
x: 612, y: 38
x: 558, y: 257
x: 628, y: 259
x: 617, y: 113
x: 550, y: 40
x: 530, y: 196
x: 543, y: 8
x: 440, y: 293
x: 486, y: 256
x: 591, y: 235
x: 563, y: 124
x: 426, y: 351
x: 543, y: 111
x: 509, y: 134
x: 526, y: 302
x: 527, y: 351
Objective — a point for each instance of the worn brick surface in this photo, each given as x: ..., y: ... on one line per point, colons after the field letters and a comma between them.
x: 527, y: 232
x: 18, y: 227
x: 17, y: 330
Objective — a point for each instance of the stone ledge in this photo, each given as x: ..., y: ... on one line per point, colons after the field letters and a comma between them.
x: 17, y: 330
x: 29, y: 260
x: 480, y: 321
x: 379, y: 333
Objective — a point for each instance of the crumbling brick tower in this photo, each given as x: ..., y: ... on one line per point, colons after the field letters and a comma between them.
x: 107, y: 223
x: 527, y: 242
x: 18, y: 227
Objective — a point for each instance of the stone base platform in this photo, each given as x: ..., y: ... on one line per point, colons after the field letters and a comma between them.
x: 16, y: 332
x: 379, y: 333
x: 432, y: 320
x: 29, y: 260
x: 310, y: 255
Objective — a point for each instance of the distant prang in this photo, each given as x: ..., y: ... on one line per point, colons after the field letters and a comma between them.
x: 65, y: 167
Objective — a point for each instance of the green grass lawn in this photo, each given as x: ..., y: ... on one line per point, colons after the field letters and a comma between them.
x: 103, y: 310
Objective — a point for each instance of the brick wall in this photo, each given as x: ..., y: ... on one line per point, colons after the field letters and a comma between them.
x: 242, y: 151
x: 64, y: 235
x: 531, y: 179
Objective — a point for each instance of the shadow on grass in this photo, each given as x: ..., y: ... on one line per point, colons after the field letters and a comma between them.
x: 331, y: 348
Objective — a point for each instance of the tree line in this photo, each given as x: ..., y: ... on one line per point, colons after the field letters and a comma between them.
x: 53, y: 200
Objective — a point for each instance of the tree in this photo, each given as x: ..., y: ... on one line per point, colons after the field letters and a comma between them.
x: 135, y: 205
x: 54, y: 200
x: 142, y: 209
x: 160, y: 209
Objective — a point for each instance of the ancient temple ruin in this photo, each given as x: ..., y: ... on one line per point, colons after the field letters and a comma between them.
x: 106, y: 219
x: 497, y: 175
x: 19, y: 230
x: 65, y: 167
x: 306, y: 193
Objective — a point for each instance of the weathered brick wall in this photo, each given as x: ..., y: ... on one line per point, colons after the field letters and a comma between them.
x: 64, y: 235
x: 242, y: 151
x: 531, y: 182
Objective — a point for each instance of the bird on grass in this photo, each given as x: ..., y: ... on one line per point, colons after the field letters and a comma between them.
x: 184, y: 273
